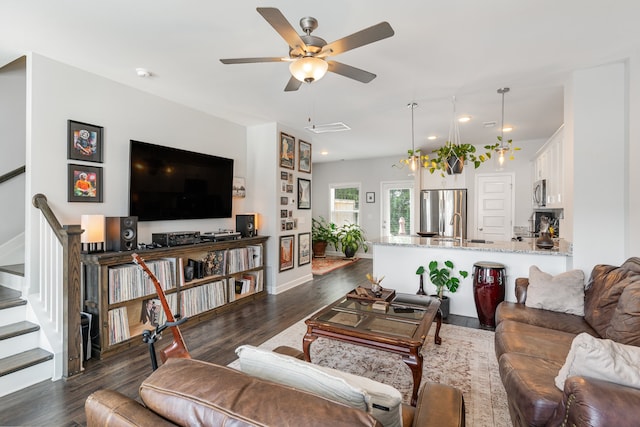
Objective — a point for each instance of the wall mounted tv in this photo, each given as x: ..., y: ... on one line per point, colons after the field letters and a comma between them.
x: 168, y: 183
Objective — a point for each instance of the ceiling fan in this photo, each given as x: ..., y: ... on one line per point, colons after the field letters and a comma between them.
x: 308, y: 54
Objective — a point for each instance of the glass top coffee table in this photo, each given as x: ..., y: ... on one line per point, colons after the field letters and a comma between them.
x: 402, y: 329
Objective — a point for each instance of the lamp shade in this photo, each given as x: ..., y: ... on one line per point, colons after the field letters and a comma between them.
x: 93, y: 226
x: 308, y: 69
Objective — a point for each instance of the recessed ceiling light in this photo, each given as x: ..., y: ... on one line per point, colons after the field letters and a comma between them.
x: 324, y: 153
x: 432, y: 137
x: 143, y: 72
x: 507, y: 129
x: 464, y: 119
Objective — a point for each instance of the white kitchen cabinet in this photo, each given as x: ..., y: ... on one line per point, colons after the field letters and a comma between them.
x: 549, y: 165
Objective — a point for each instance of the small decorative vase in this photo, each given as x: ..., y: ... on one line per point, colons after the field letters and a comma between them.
x: 376, y: 289
x: 544, y: 241
x: 421, y: 289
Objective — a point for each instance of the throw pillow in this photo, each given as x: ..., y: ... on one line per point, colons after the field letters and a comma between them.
x: 383, y: 402
x: 625, y: 323
x: 563, y: 293
x: 601, y: 359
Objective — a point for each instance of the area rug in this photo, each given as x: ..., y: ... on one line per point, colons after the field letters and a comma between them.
x: 320, y: 266
x: 466, y: 360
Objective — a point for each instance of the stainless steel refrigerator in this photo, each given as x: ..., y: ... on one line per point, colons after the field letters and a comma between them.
x: 437, y: 211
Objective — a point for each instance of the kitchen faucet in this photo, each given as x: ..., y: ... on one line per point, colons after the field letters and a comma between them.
x: 453, y: 220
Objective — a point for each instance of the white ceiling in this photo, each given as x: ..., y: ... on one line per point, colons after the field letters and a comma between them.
x: 441, y: 49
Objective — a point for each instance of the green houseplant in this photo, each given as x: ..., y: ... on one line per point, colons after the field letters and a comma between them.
x: 323, y: 233
x: 351, y: 238
x: 443, y: 278
x: 450, y: 158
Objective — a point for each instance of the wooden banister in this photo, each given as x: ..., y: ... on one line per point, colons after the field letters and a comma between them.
x: 69, y: 237
x: 9, y: 175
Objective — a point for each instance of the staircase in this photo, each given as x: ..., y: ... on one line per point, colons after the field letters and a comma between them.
x: 22, y: 361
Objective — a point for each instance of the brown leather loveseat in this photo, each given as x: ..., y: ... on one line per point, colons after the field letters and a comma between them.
x: 532, y: 346
x: 189, y: 392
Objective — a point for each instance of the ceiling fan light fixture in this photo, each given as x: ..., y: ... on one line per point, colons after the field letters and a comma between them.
x: 308, y: 69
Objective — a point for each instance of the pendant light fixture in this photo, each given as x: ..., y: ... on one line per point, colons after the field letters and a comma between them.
x: 504, y: 148
x: 414, y: 159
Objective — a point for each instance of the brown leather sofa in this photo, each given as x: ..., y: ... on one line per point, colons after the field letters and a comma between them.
x: 532, y: 345
x: 189, y: 392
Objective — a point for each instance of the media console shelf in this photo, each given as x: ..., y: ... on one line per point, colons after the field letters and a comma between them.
x: 123, y: 301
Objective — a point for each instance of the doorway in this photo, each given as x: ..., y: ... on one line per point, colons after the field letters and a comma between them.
x: 494, y: 207
x: 398, y: 209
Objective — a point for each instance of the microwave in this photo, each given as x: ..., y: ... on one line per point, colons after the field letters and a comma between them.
x: 540, y: 193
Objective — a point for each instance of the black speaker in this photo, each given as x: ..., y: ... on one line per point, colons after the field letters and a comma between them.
x: 122, y: 233
x: 246, y: 225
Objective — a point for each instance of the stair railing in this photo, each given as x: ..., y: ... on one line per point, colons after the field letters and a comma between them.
x: 59, y: 288
x: 7, y: 176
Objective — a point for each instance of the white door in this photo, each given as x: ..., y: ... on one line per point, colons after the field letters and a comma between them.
x: 494, y: 207
x: 398, y: 213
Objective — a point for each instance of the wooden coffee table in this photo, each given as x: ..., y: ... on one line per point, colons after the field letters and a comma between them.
x: 401, y: 330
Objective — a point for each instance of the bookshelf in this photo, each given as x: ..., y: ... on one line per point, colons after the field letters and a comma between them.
x: 123, y: 301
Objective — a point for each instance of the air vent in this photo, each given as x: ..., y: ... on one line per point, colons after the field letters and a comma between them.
x: 489, y: 124
x: 330, y: 127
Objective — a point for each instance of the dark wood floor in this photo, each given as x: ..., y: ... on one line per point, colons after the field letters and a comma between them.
x: 61, y: 403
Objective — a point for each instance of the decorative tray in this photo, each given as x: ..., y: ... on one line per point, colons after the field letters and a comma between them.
x: 387, y: 295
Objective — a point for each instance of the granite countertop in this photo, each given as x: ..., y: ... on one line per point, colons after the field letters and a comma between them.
x: 526, y: 246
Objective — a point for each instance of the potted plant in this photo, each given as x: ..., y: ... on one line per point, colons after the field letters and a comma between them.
x: 443, y: 278
x: 450, y: 158
x: 323, y: 233
x: 351, y: 238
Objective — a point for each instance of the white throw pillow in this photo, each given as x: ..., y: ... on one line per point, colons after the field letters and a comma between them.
x: 563, y: 293
x: 601, y: 359
x: 383, y: 402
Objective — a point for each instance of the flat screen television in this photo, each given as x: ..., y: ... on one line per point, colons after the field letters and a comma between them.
x: 168, y: 183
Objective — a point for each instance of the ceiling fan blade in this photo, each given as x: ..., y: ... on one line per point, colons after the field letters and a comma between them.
x: 351, y: 72
x: 252, y: 60
x: 294, y: 84
x: 361, y: 38
x: 282, y: 26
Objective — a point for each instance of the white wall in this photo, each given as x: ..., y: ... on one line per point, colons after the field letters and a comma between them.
x: 12, y: 143
x: 601, y: 175
x: 263, y: 160
x: 57, y: 92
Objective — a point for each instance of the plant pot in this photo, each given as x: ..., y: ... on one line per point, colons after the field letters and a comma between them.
x: 349, y: 252
x: 455, y: 165
x: 319, y: 248
x: 444, y: 305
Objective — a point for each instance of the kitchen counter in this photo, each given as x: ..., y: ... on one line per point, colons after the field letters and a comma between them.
x: 526, y: 246
x: 398, y: 258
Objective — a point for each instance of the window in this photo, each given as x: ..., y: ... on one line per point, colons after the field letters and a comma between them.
x: 345, y: 203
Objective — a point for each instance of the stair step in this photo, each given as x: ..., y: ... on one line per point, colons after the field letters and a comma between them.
x: 17, y: 269
x: 13, y: 302
x: 17, y: 329
x: 23, y: 360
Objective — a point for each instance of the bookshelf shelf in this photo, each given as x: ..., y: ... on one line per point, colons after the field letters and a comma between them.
x: 123, y: 301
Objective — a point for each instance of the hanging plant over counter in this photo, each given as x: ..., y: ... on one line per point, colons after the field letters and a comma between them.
x: 450, y: 158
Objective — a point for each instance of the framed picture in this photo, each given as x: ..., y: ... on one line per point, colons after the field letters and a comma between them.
x: 304, y: 156
x: 287, y: 151
x: 304, y: 248
x: 84, y: 183
x: 84, y: 142
x: 304, y: 193
x: 239, y: 189
x: 371, y: 197
x: 286, y: 252
x: 284, y: 201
